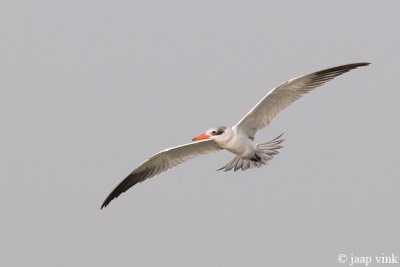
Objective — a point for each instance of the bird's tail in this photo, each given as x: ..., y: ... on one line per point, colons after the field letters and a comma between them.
x: 264, y: 153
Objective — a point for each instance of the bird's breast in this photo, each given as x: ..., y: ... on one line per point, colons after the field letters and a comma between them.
x: 240, y: 145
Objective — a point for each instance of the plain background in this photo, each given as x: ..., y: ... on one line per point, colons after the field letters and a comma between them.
x: 90, y: 89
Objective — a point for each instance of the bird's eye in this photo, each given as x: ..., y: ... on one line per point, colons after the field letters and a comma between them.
x: 220, y: 132
x: 213, y: 132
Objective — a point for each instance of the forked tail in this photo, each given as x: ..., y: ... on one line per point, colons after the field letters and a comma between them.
x: 264, y: 153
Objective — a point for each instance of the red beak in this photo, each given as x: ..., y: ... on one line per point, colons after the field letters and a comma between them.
x: 201, y: 136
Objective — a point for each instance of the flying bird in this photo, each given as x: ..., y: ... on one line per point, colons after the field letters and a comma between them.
x: 237, y: 139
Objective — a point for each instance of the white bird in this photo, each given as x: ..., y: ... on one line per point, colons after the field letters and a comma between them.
x: 237, y: 139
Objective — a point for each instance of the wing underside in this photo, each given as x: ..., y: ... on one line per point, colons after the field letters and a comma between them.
x: 161, y: 162
x: 283, y: 95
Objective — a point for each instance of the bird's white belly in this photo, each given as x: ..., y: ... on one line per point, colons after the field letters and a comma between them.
x: 242, y: 146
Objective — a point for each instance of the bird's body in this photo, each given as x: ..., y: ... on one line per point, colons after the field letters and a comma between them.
x: 237, y: 143
x: 238, y: 139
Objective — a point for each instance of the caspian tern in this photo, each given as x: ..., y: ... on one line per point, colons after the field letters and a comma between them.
x: 237, y: 139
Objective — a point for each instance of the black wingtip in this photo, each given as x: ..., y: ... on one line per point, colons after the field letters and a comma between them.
x: 361, y: 64
x: 358, y: 64
x: 114, y: 194
x: 106, y: 202
x: 343, y: 68
x: 128, y: 182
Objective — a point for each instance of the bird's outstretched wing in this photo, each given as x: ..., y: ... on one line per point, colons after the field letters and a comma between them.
x: 282, y: 96
x: 161, y: 162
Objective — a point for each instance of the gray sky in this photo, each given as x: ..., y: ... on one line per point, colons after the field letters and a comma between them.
x: 89, y: 89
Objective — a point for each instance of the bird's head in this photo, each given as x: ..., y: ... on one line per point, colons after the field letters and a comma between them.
x: 215, y: 133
